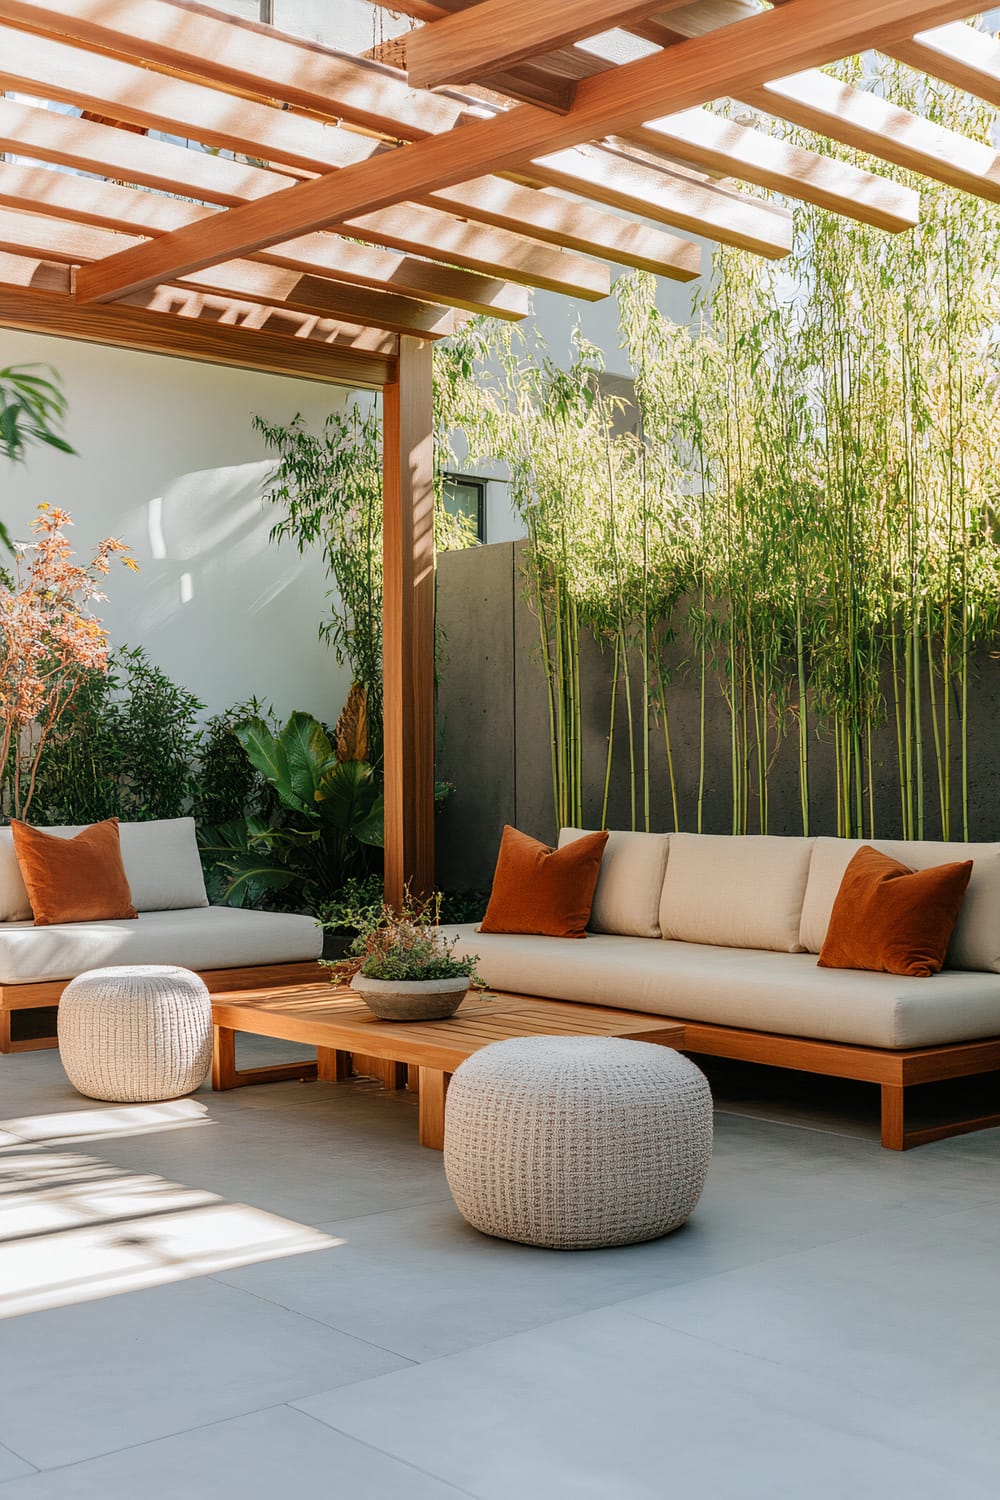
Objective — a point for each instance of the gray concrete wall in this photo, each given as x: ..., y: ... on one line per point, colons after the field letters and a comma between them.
x: 493, y: 736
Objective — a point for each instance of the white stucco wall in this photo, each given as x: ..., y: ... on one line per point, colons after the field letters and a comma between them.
x: 169, y: 461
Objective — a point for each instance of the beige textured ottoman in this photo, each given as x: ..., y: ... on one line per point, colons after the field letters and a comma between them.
x: 575, y: 1143
x: 135, y: 1035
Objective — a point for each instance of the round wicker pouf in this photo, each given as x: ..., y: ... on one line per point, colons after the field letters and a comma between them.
x: 575, y: 1143
x: 135, y: 1035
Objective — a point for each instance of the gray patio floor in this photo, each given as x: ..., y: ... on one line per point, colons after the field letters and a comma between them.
x: 269, y: 1292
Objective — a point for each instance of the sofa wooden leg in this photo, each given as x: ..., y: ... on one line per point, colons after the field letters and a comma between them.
x: 5, y: 1043
x: 893, y: 1117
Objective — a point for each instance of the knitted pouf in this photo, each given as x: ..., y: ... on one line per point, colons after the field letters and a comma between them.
x: 577, y: 1142
x: 136, y: 1034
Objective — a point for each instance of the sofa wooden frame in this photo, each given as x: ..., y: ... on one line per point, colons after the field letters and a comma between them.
x: 894, y: 1071
x: 20, y: 997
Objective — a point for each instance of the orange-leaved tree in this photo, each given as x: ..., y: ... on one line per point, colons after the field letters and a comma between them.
x: 50, y: 641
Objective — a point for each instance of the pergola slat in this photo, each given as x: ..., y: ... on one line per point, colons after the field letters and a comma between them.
x: 87, y: 146
x: 617, y: 180
x: 578, y: 226
x: 854, y: 117
x: 112, y: 87
x: 860, y: 119
x: 110, y: 206
x: 40, y: 66
x: 75, y: 244
x: 957, y: 54
x: 719, y: 145
x: 737, y: 58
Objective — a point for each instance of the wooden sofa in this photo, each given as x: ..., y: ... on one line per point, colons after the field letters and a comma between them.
x: 231, y: 949
x: 721, y: 934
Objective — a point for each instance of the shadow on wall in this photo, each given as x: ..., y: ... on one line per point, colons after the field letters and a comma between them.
x: 223, y: 609
x: 218, y: 521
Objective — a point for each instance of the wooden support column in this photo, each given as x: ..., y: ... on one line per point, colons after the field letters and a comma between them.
x: 408, y: 622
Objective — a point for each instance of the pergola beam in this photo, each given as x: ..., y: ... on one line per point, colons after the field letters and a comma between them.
x: 498, y: 34
x: 741, y: 57
x: 192, y: 327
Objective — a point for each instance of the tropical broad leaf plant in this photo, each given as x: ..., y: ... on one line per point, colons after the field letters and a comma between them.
x: 32, y: 408
x: 331, y: 816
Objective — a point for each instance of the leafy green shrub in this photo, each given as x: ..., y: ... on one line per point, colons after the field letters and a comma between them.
x: 125, y: 748
x: 228, y: 784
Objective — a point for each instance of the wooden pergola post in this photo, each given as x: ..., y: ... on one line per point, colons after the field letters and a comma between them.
x: 408, y: 622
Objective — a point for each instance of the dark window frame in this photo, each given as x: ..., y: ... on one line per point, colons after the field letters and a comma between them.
x: 479, y: 484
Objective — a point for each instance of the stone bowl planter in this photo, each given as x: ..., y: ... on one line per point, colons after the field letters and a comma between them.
x: 412, y: 999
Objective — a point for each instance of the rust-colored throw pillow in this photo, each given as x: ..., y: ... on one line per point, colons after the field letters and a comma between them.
x: 547, y: 892
x: 892, y: 919
x: 81, y: 879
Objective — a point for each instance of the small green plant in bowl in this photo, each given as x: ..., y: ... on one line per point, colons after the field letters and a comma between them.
x: 403, y: 966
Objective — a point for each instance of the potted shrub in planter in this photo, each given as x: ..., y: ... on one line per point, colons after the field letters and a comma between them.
x: 403, y: 966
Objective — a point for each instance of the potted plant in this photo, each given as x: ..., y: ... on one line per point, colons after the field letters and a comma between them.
x: 403, y: 966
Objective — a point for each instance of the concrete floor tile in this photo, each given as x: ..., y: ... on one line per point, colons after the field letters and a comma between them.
x: 256, y: 1457
x: 910, y: 1311
x: 97, y: 1376
x: 600, y: 1405
x: 420, y: 1281
x: 11, y: 1466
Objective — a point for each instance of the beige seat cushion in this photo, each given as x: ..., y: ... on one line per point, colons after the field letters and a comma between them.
x: 784, y: 993
x: 735, y: 891
x: 975, y: 943
x: 161, y: 862
x: 206, y: 937
x: 627, y: 898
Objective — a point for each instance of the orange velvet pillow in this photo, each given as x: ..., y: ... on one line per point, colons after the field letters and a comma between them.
x: 892, y: 919
x: 81, y: 879
x: 541, y: 890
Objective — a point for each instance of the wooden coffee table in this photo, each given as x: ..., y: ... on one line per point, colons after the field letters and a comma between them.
x: 342, y: 1029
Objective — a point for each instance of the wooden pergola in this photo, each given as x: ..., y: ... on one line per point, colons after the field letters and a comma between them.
x: 331, y: 216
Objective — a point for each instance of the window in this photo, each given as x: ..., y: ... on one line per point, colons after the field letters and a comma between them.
x: 466, y: 497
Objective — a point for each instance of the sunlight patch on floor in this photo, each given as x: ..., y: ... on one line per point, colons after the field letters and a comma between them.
x: 99, y: 1124
x: 74, y: 1228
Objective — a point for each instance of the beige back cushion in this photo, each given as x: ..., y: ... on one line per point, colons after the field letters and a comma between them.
x: 627, y: 899
x: 975, y: 943
x: 740, y: 891
x: 161, y: 862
